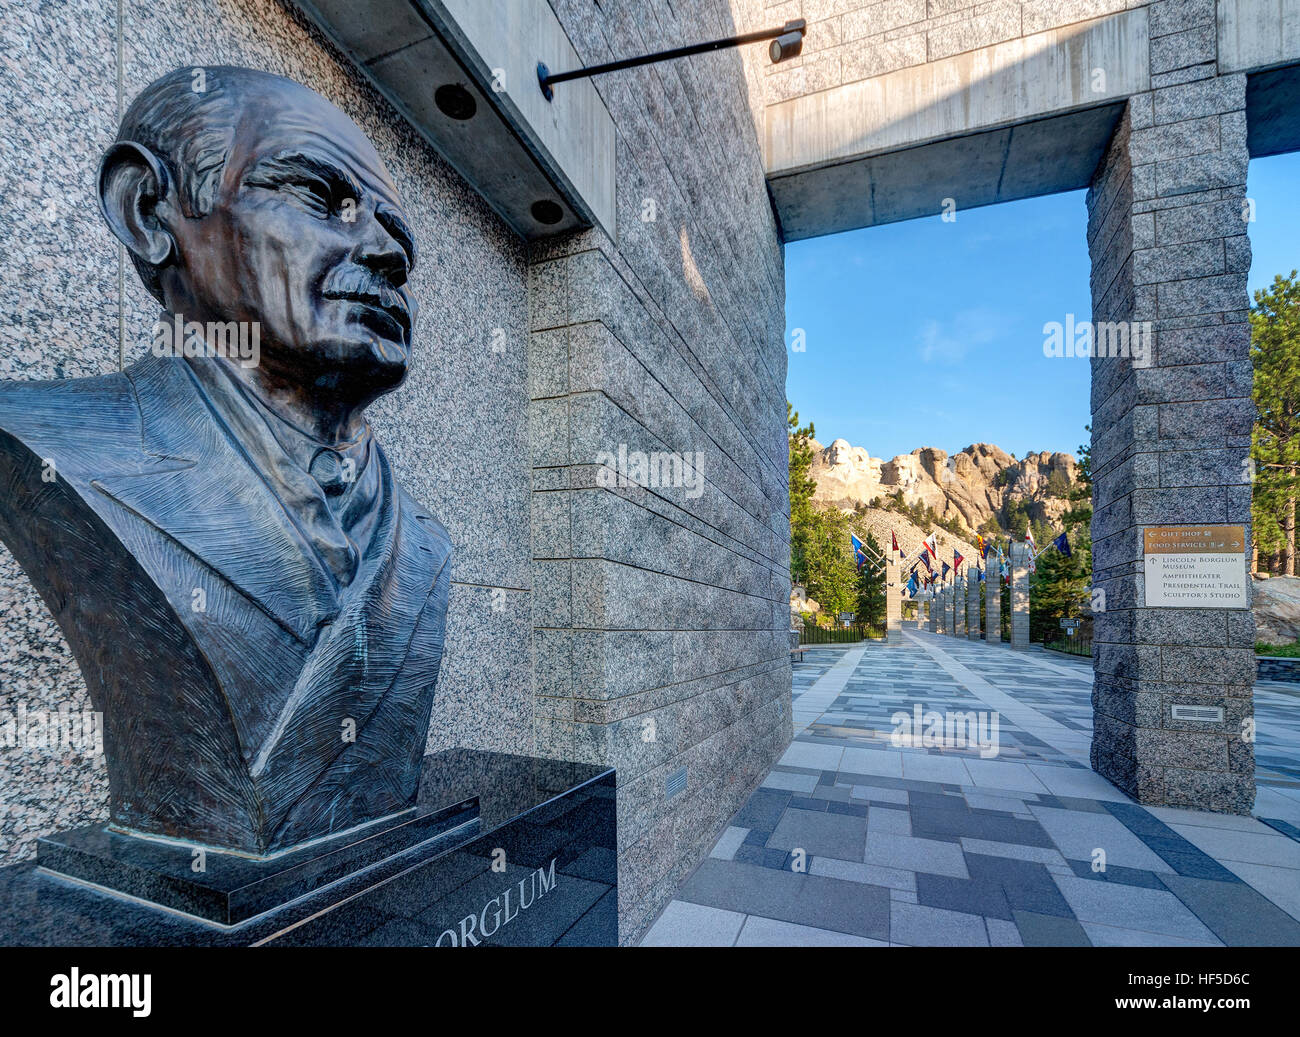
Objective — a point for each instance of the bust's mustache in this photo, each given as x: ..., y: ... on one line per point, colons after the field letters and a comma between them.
x: 356, y: 284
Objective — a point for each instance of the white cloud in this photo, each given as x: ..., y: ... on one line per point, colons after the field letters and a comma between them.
x: 948, y: 342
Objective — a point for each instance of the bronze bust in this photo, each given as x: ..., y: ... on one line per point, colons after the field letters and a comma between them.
x: 258, y: 609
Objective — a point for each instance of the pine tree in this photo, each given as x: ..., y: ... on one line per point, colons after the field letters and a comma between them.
x: 1061, y: 587
x: 871, y: 585
x: 802, y: 487
x: 1275, y: 443
x: 830, y: 573
x: 1014, y: 518
x: 821, y: 554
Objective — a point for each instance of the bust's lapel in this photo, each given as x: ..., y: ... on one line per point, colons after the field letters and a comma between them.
x: 359, y: 656
x: 202, y: 492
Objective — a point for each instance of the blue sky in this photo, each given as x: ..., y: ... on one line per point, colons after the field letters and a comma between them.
x: 929, y: 333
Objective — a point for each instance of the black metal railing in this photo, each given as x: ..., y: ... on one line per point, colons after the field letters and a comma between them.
x: 815, y: 635
x: 1076, y: 644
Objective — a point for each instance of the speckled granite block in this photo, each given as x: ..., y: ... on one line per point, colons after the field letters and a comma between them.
x: 59, y: 291
x: 456, y: 432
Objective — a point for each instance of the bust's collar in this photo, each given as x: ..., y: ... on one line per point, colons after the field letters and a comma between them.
x: 228, y: 392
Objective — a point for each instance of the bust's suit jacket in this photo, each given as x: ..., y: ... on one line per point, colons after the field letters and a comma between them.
x: 248, y: 702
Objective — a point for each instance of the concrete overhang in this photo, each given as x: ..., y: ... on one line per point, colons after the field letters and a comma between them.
x: 1027, y: 117
x: 1262, y: 38
x: 545, y: 167
x: 1273, y: 111
x: 1258, y: 34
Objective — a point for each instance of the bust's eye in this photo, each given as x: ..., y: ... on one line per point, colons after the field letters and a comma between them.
x: 313, y: 185
x: 314, y: 194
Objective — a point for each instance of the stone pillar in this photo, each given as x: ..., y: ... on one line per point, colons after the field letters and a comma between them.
x: 993, y: 606
x: 932, y: 611
x: 949, y: 618
x: 959, y: 606
x: 972, y: 606
x: 893, y: 597
x: 1019, y: 596
x: 1171, y: 423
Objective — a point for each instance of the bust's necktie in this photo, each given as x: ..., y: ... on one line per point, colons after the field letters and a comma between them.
x: 329, y: 469
x: 332, y: 472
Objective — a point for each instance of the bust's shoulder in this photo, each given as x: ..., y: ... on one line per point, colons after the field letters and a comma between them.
x: 74, y: 400
x: 74, y: 420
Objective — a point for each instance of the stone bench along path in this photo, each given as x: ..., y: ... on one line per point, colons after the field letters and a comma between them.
x: 852, y: 840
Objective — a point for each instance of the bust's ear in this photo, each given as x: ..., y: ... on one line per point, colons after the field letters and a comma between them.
x: 131, y: 184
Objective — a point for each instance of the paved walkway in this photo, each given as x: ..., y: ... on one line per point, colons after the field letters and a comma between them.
x: 854, y: 841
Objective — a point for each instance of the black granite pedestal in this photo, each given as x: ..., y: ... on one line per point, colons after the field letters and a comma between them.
x: 500, y: 849
x: 229, y: 888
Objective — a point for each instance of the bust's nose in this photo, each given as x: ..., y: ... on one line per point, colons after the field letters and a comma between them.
x: 379, y: 251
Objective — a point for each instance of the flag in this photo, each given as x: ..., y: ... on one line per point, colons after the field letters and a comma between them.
x: 931, y: 545
x: 911, y: 585
x: 926, y: 559
x: 956, y: 560
x: 945, y: 570
x: 980, y: 546
x: 981, y: 574
x: 895, y: 539
x: 1062, y: 545
x: 1029, y: 539
x: 859, y: 553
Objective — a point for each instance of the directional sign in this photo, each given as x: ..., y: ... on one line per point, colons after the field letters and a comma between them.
x: 1195, y: 566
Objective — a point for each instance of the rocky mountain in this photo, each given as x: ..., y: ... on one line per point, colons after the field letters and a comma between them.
x: 968, y: 487
x: 1277, y: 609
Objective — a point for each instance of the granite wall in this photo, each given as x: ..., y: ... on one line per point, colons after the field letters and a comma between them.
x: 456, y: 432
x: 592, y: 617
x: 661, y: 613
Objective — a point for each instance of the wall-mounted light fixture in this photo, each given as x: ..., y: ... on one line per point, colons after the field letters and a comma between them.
x: 787, y: 42
x: 455, y: 102
x: 787, y: 45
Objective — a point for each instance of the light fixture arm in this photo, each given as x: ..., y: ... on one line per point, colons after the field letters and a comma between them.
x: 798, y: 26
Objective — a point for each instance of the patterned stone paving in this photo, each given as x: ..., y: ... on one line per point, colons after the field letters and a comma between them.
x: 1277, y: 734
x: 854, y: 840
